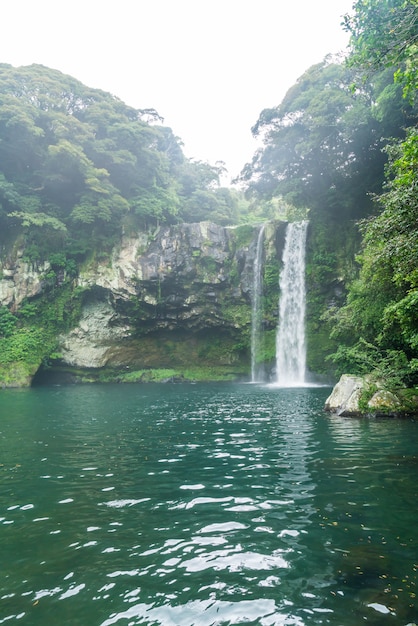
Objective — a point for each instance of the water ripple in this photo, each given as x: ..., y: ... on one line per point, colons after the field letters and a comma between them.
x: 206, y: 613
x: 205, y: 505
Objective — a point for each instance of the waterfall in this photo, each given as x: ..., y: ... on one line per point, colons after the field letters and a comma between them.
x: 256, y: 312
x: 290, y: 339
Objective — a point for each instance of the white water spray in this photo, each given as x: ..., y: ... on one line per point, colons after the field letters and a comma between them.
x: 256, y: 312
x: 290, y: 339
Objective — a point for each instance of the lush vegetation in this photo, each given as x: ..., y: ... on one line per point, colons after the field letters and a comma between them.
x: 28, y: 337
x: 79, y: 168
x: 343, y: 145
x: 385, y: 34
x: 323, y: 144
x: 378, y: 327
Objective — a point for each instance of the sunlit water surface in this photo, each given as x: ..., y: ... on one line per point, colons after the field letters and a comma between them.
x: 202, y: 505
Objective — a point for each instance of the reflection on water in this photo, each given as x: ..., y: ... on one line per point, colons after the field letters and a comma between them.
x: 202, y: 505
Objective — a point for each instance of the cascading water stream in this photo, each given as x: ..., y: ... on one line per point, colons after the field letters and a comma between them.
x: 256, y: 313
x: 290, y: 339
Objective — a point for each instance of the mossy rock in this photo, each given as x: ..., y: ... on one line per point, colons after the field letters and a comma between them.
x: 14, y: 375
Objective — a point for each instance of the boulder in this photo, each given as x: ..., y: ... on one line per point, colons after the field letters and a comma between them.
x: 344, y: 398
x: 347, y: 393
x: 384, y: 401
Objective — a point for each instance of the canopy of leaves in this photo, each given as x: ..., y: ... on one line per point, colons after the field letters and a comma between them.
x: 382, y: 307
x: 343, y: 143
x: 323, y: 144
x: 378, y: 327
x: 76, y: 163
x: 384, y: 33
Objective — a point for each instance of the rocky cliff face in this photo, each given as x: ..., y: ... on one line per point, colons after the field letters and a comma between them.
x: 178, y: 297
x: 20, y: 280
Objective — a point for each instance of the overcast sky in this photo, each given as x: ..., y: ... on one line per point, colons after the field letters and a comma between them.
x: 208, y: 67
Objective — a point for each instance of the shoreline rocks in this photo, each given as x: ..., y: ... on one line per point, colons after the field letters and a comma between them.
x: 356, y: 396
x: 345, y: 396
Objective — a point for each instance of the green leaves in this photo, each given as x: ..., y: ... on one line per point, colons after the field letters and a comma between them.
x: 384, y: 33
x: 403, y: 315
x: 73, y: 156
x: 40, y: 220
x: 321, y: 144
x: 392, y: 236
x: 7, y: 322
x: 382, y: 303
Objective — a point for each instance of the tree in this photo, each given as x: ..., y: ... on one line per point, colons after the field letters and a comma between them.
x: 384, y: 33
x: 381, y: 314
x: 378, y: 327
x: 322, y: 144
x: 77, y: 165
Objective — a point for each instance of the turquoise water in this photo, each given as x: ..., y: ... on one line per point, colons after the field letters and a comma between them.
x: 203, y: 505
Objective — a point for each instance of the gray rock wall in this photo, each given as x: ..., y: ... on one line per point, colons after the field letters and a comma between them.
x: 188, y: 284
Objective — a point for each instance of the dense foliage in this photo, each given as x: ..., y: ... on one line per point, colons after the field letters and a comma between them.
x: 343, y: 144
x: 378, y: 327
x: 384, y: 33
x: 323, y: 144
x: 78, y: 168
x: 78, y: 165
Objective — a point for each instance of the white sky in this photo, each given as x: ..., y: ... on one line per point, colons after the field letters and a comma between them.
x: 208, y: 67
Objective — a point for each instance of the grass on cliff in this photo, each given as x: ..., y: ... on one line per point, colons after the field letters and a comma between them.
x: 191, y: 374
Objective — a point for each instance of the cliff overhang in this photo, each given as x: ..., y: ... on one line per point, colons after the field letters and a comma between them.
x: 170, y: 299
